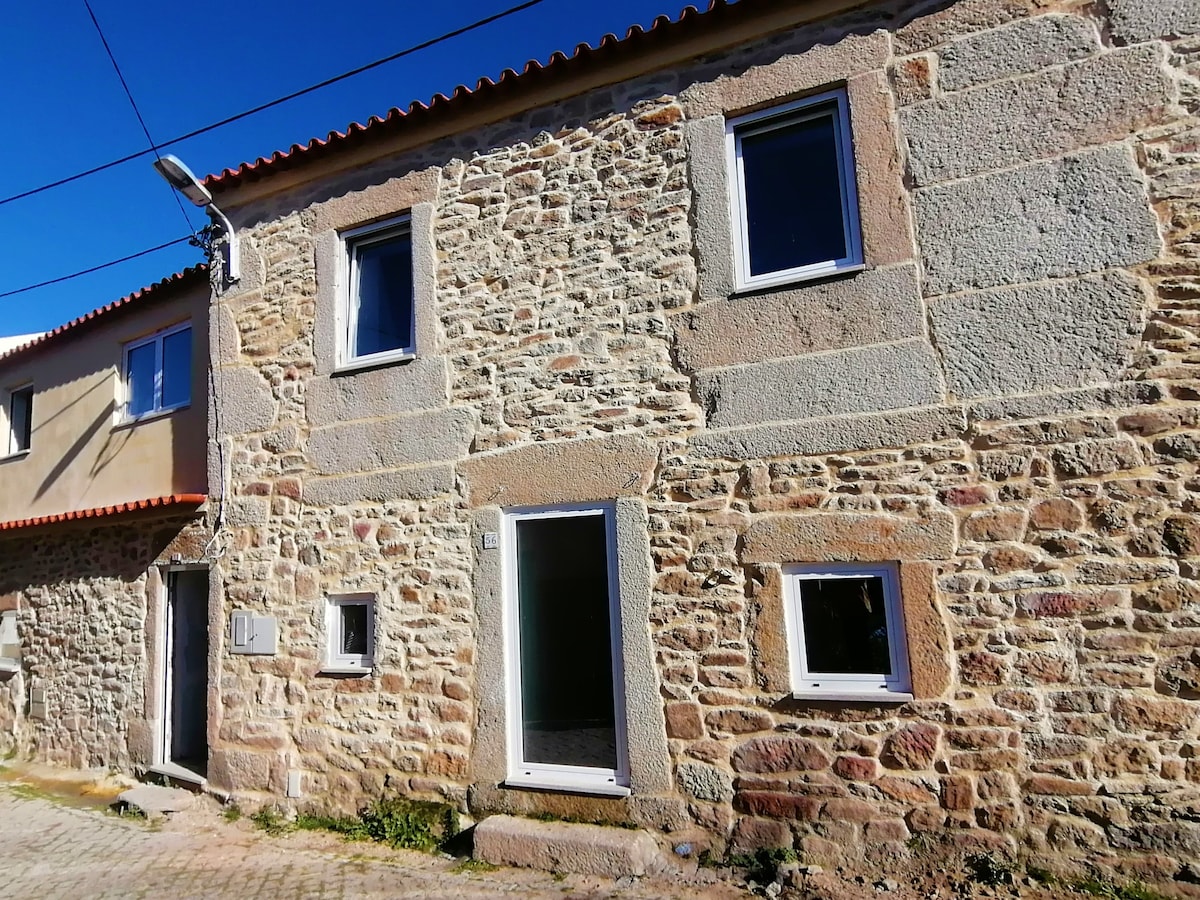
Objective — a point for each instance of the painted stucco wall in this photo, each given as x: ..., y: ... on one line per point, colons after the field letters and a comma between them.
x: 1002, y: 402
x: 82, y: 456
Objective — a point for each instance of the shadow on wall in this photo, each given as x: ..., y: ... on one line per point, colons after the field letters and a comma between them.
x: 82, y: 455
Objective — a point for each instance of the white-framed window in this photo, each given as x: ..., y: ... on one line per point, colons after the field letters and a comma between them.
x: 563, y: 666
x: 17, y: 415
x: 793, y: 192
x: 350, y: 632
x: 377, y: 315
x: 157, y: 373
x: 846, y: 631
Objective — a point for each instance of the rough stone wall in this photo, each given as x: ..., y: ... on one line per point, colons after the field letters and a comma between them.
x: 1020, y: 436
x: 82, y: 595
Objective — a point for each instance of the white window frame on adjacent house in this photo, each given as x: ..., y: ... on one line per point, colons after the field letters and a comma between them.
x: 337, y: 661
x: 577, y: 779
x: 777, y: 117
x: 8, y: 420
x: 158, y: 409
x: 348, y: 299
x: 847, y: 686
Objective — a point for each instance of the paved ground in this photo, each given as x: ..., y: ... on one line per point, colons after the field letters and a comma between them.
x: 53, y: 847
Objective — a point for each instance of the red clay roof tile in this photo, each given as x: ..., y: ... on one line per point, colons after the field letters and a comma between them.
x: 105, y: 511
x: 194, y: 273
x: 662, y: 30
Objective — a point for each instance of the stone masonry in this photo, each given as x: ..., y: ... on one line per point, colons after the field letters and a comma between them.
x: 1003, y: 402
x: 86, y: 598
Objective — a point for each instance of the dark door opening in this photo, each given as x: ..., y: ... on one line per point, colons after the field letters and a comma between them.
x: 567, y: 698
x: 186, y: 717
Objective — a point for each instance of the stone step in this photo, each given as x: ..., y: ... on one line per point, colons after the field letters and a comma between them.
x: 567, y: 847
x: 154, y: 800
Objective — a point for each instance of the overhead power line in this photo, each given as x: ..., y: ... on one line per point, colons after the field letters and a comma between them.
x: 154, y: 148
x: 137, y: 112
x: 107, y: 265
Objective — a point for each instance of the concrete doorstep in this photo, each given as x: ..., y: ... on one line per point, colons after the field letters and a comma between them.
x: 154, y: 801
x: 567, y: 847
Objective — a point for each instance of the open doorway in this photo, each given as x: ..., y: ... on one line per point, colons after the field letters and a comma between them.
x: 185, y: 694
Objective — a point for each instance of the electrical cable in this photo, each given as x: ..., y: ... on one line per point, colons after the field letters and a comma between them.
x: 424, y: 45
x: 137, y: 112
x: 115, y: 262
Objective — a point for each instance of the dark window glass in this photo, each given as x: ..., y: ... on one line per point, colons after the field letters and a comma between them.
x: 355, y: 623
x: 385, y: 296
x: 177, y: 368
x: 845, y: 626
x: 566, y: 642
x: 140, y: 385
x: 793, y: 195
x: 21, y: 419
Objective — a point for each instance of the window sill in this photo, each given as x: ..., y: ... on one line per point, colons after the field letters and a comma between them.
x: 794, y: 280
x: 360, y: 671
x: 130, y: 422
x: 9, y: 666
x: 878, y: 697
x: 373, y: 362
x: 566, y: 787
x: 13, y: 457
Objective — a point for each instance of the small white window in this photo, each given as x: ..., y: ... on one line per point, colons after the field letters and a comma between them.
x: 846, y: 631
x: 377, y: 313
x: 794, y: 199
x: 350, y: 628
x: 158, y: 372
x: 18, y: 421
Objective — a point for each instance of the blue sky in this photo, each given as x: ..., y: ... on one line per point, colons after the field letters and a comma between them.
x: 191, y: 65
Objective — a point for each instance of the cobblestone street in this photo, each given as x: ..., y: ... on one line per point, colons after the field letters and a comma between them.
x: 50, y: 848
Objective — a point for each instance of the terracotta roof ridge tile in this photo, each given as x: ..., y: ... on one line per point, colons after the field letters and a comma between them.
x: 151, y: 290
x: 663, y: 26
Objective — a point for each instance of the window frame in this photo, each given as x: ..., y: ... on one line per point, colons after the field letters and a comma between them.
x: 770, y: 119
x: 847, y: 686
x: 11, y: 450
x: 335, y: 660
x: 348, y: 301
x: 157, y: 339
x: 547, y: 776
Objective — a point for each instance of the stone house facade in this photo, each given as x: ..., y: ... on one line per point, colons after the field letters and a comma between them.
x: 103, y: 474
x: 983, y: 408
x: 568, y: 470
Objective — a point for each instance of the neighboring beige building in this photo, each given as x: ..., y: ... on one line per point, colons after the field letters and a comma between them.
x: 777, y: 428
x: 102, y: 473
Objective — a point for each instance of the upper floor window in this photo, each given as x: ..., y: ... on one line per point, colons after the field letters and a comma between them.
x: 795, y: 203
x: 377, y: 312
x: 158, y: 372
x: 847, y: 631
x: 18, y: 421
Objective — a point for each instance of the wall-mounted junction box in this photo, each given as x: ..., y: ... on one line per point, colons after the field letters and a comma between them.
x: 251, y: 634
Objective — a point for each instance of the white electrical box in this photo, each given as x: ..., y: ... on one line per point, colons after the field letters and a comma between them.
x: 10, y: 644
x: 251, y: 634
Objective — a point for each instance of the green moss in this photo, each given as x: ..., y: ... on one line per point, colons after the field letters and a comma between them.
x: 990, y: 869
x: 232, y: 812
x: 469, y: 865
x: 580, y: 820
x: 761, y: 866
x: 1042, y: 876
x: 1099, y: 887
x: 270, y: 820
x: 397, y: 822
